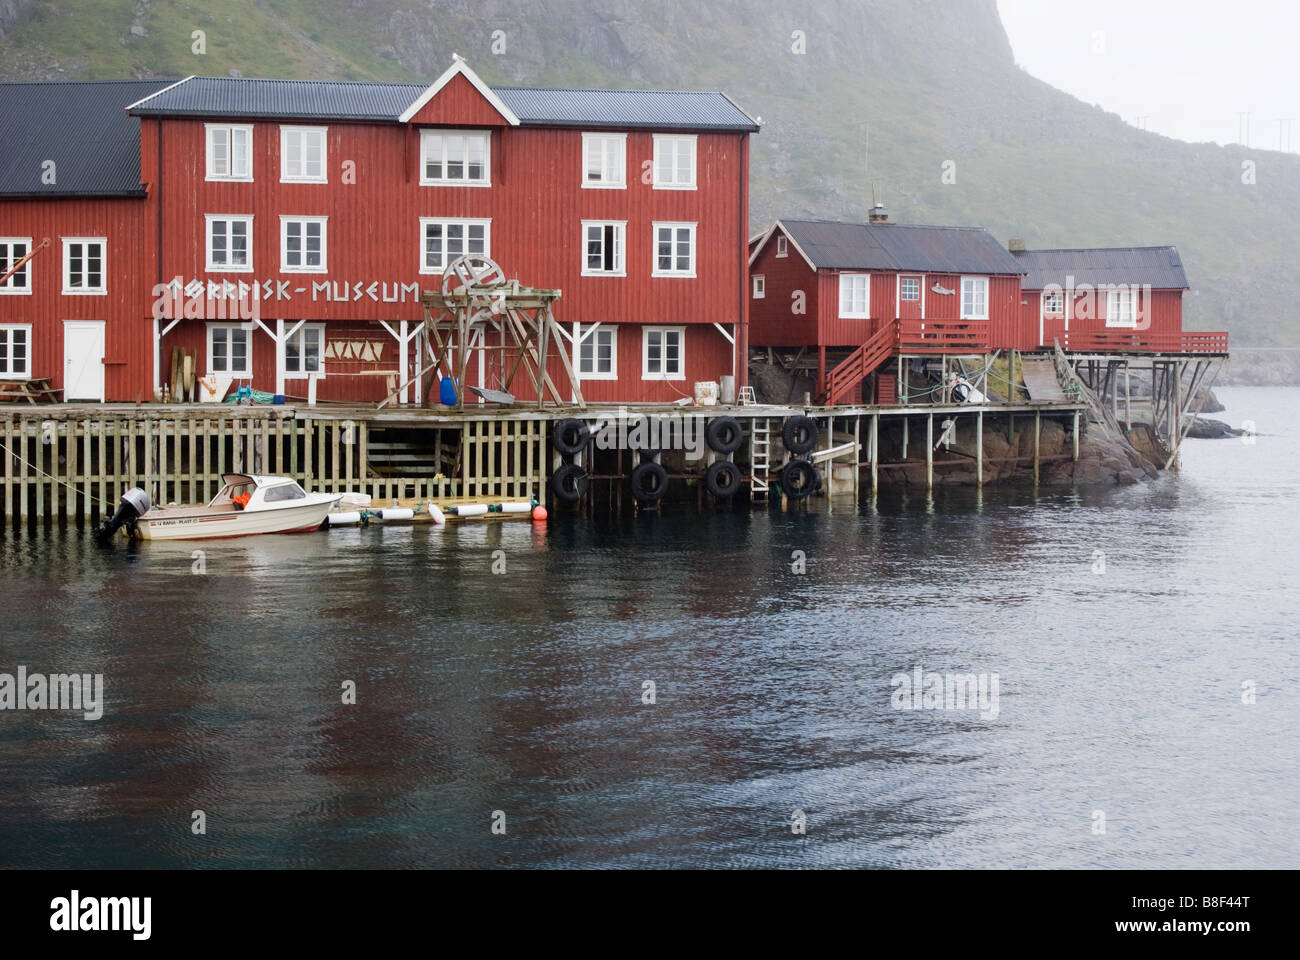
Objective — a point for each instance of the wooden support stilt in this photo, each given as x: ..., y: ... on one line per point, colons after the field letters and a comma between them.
x: 875, y: 452
x: 1076, y: 436
x: 929, y: 451
x: 1038, y: 432
x: 979, y: 449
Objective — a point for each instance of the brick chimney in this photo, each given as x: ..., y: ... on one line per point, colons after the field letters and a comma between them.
x: 1016, y: 244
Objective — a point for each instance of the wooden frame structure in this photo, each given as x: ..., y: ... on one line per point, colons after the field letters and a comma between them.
x: 476, y: 296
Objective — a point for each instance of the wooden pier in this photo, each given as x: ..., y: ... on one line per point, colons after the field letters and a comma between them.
x: 72, y: 461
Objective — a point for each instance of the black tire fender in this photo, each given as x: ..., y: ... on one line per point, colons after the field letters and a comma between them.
x: 799, y: 478
x: 570, y: 436
x: 724, y: 434
x: 649, y: 482
x: 569, y: 483
x: 799, y: 434
x: 723, y: 479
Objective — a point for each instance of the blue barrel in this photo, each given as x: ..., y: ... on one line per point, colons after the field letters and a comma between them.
x: 447, y: 392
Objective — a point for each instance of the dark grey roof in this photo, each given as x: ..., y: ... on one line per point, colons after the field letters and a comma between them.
x: 385, y: 102
x: 1161, y: 267
x: 82, y: 127
x: 832, y: 245
x: 659, y: 109
x: 272, y: 99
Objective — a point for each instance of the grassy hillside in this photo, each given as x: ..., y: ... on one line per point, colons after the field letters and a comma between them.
x: 888, y: 91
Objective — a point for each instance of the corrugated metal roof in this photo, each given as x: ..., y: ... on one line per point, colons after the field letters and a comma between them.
x: 1161, y: 267
x: 659, y: 109
x: 82, y: 127
x: 385, y: 102
x: 833, y: 245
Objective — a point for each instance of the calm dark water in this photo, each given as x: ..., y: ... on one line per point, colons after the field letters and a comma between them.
x: 1119, y: 692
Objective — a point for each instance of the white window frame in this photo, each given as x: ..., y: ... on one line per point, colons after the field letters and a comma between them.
x: 1059, y: 297
x: 102, y: 289
x: 247, y: 371
x: 672, y: 183
x: 285, y: 220
x: 1116, y: 295
x: 619, y: 165
x: 760, y: 286
x: 229, y: 128
x: 620, y: 248
x: 782, y: 246
x: 211, y: 267
x: 447, y: 221
x: 967, y: 314
x: 655, y: 271
x: 290, y: 128
x: 9, y: 260
x: 590, y: 336
x: 910, y: 279
x: 427, y: 181
x: 6, y: 368
x: 681, y: 353
x: 297, y: 335
x: 845, y: 305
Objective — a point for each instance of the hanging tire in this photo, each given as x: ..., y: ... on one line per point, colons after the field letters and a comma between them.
x: 723, y: 479
x: 799, y: 478
x: 724, y: 435
x: 569, y: 483
x: 570, y: 436
x: 799, y: 434
x: 649, y: 482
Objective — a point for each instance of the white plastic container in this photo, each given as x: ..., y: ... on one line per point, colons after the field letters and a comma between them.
x: 395, y: 513
x: 706, y: 393
x: 519, y: 506
x: 727, y: 390
x: 343, y: 518
x: 471, y: 510
x: 436, y: 513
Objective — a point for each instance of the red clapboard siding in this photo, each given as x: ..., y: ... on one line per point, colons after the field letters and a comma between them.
x: 772, y: 320
x: 536, y: 205
x: 128, y: 331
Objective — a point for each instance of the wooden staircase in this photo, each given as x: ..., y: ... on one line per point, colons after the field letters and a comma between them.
x: 858, y: 365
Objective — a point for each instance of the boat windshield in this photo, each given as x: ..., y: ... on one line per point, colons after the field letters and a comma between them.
x: 284, y: 491
x: 229, y: 492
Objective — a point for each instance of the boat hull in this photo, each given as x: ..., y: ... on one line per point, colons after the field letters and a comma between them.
x: 201, y: 524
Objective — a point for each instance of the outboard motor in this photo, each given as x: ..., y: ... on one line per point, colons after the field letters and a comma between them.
x: 135, y: 503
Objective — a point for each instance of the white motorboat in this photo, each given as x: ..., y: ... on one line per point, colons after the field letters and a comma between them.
x: 247, y: 504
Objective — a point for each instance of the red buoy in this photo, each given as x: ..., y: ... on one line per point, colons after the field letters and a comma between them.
x: 539, y: 512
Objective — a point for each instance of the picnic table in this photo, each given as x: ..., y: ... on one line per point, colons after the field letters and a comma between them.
x: 35, y: 390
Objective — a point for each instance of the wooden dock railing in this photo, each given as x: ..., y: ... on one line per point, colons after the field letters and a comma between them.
x: 1145, y: 341
x: 943, y: 336
x: 859, y: 364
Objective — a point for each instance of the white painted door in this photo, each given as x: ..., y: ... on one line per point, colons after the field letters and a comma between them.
x: 83, y: 359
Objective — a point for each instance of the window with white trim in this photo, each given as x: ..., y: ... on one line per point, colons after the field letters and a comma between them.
x: 83, y: 265
x: 662, y: 353
x: 674, y: 250
x: 909, y: 289
x: 230, y: 243
x: 1121, y: 307
x: 760, y: 286
x: 1054, y: 303
x: 855, y: 295
x: 443, y: 240
x: 13, y: 249
x: 15, y: 350
x: 230, y: 151
x: 603, y: 248
x: 302, y: 155
x: 303, y: 244
x: 974, y: 298
x: 304, y: 351
x: 598, y: 354
x: 230, y: 349
x: 456, y: 158
x: 674, y: 162
x: 604, y: 163
x: 782, y: 246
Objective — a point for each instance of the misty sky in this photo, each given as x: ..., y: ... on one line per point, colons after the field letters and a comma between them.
x: 1189, y: 66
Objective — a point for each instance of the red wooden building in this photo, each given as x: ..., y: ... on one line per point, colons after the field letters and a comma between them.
x: 284, y: 230
x: 1109, y: 299
x: 77, y: 312
x: 860, y: 293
